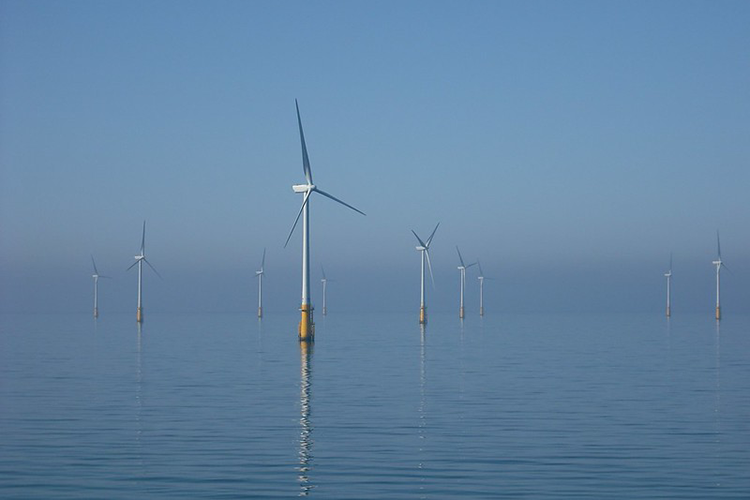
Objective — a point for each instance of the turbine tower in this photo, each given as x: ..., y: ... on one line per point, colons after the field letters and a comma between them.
x: 96, y: 277
x: 481, y: 289
x: 669, y: 287
x: 259, y: 275
x: 719, y: 264
x: 424, y: 248
x: 324, y: 282
x: 307, y: 325
x: 140, y: 259
x: 462, y: 278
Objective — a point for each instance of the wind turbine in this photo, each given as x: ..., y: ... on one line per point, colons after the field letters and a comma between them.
x: 424, y: 248
x: 719, y: 264
x: 462, y: 274
x: 96, y: 277
x: 307, y: 325
x: 259, y: 275
x: 481, y: 289
x: 669, y: 287
x: 324, y: 282
x: 140, y: 259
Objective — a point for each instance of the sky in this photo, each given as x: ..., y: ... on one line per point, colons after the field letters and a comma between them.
x: 569, y: 146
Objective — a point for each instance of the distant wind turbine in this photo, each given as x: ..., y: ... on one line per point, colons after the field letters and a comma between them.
x: 324, y: 282
x: 259, y: 275
x: 424, y: 248
x: 96, y: 277
x: 140, y: 259
x: 481, y: 289
x: 307, y: 324
x: 462, y: 275
x: 669, y: 287
x: 719, y: 264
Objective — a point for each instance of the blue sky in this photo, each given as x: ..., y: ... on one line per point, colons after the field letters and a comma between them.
x: 568, y: 145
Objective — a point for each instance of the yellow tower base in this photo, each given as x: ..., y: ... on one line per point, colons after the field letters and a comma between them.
x: 260, y: 312
x: 96, y: 312
x: 422, y: 315
x: 669, y: 312
x: 461, y: 312
x: 306, y: 324
x: 139, y: 315
x: 718, y: 312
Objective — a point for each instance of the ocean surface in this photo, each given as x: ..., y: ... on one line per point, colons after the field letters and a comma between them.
x: 505, y: 406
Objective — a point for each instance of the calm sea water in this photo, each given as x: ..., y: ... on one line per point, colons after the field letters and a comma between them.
x: 519, y: 406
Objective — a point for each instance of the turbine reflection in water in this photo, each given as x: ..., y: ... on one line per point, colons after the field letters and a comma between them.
x: 139, y: 398
x: 422, y: 410
x: 305, y: 435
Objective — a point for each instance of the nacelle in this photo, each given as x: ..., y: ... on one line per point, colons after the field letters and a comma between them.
x: 302, y: 188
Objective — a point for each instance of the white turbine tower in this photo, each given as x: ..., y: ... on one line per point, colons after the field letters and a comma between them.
x: 96, y: 277
x: 481, y: 289
x: 324, y: 282
x: 719, y: 264
x: 668, y: 275
x: 462, y: 278
x: 259, y: 275
x: 424, y: 248
x: 140, y: 259
x: 307, y: 325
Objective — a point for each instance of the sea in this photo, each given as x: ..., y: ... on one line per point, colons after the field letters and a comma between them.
x: 227, y: 406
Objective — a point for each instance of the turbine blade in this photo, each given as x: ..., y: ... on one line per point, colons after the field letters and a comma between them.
x: 429, y: 266
x: 336, y: 199
x: 459, y: 257
x: 143, y: 238
x: 718, y: 243
x: 92, y: 261
x: 323, y: 271
x: 725, y: 267
x: 472, y: 264
x: 418, y: 239
x: 305, y: 158
x: 304, y: 202
x: 152, y: 267
x: 481, y: 274
x: 132, y: 266
x: 108, y: 277
x: 429, y: 240
x: 263, y: 260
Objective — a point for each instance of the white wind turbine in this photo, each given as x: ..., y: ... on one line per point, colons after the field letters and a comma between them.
x: 719, y: 264
x: 259, y: 275
x: 424, y: 248
x: 306, y: 324
x: 668, y: 275
x: 140, y: 259
x: 96, y: 277
x: 324, y: 282
x: 481, y: 288
x: 462, y: 275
